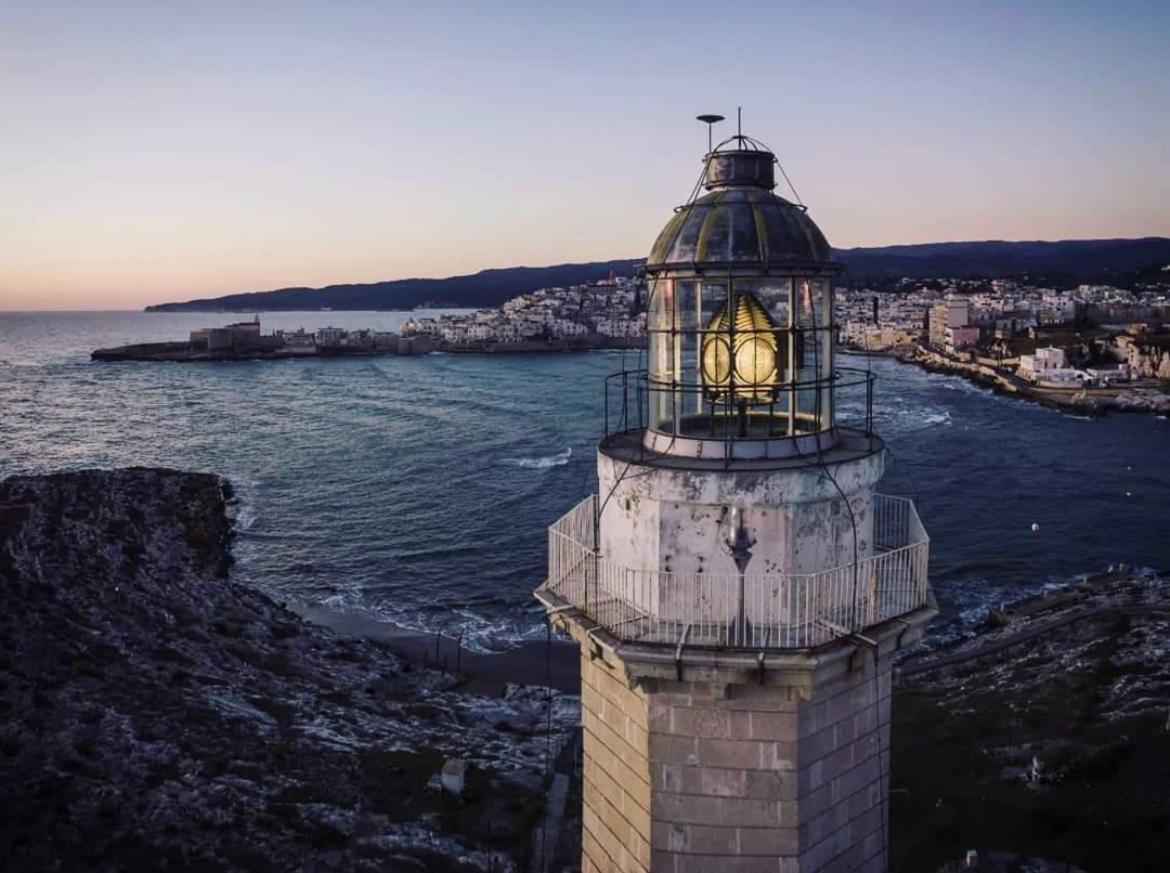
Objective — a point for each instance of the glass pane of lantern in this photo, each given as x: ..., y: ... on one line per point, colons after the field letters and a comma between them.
x: 714, y: 370
x: 823, y: 296
x: 688, y: 298
x: 661, y: 363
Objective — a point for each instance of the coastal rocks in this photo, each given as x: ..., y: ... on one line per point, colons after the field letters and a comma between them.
x: 1091, y: 401
x: 1005, y: 862
x: 1045, y: 732
x: 155, y: 714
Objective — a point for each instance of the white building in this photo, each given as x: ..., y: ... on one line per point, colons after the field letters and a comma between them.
x: 1048, y: 365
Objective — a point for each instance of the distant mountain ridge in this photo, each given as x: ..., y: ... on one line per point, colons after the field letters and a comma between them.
x: 1082, y: 260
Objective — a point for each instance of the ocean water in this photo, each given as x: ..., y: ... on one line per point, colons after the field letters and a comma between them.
x: 417, y: 489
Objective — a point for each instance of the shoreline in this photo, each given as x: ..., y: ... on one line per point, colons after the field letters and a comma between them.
x: 181, y: 352
x: 486, y: 673
x: 1090, y: 401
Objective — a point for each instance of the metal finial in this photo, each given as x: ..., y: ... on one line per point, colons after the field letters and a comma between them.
x: 710, y: 121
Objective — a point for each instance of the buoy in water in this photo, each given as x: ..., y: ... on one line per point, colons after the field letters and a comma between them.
x: 1035, y: 526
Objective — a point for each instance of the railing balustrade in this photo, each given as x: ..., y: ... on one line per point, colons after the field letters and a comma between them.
x: 775, y: 611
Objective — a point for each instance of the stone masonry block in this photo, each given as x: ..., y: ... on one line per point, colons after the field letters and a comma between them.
x: 815, y: 803
x: 721, y: 782
x: 685, y: 808
x: 825, y: 825
x: 634, y: 759
x: 760, y: 699
x: 608, y: 846
x: 778, y: 756
x: 724, y: 864
x: 701, y: 809
x: 633, y: 809
x: 779, y: 726
x: 701, y: 722
x: 634, y: 779
x: 730, y: 753
x: 770, y: 784
x: 812, y: 717
x: 769, y: 841
x: 669, y: 748
x: 813, y: 747
x: 857, y: 778
x: 695, y: 839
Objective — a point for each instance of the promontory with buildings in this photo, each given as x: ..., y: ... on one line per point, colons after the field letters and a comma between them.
x: 596, y: 315
x: 1090, y: 347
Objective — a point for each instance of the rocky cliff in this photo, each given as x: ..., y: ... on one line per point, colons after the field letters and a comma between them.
x: 153, y: 714
x: 1047, y: 733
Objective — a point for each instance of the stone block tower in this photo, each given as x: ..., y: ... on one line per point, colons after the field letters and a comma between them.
x: 737, y: 586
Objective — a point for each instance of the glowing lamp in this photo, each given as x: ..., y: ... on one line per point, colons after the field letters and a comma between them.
x: 740, y: 354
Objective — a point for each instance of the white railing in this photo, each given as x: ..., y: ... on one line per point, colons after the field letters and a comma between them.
x: 772, y: 611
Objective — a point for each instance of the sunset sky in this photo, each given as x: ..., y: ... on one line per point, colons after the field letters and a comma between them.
x: 163, y: 151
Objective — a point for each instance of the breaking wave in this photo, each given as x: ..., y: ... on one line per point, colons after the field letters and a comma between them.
x: 542, y: 463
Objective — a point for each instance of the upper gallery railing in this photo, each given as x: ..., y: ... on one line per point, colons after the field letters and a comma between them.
x: 766, y: 611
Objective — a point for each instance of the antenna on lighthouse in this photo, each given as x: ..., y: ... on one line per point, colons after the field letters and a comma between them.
x: 710, y: 121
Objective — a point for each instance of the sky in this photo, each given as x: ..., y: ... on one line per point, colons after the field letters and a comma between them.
x: 164, y: 151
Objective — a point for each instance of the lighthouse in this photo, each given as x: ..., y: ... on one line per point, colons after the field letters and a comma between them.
x: 738, y: 586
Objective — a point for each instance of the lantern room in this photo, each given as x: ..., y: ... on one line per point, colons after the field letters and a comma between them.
x: 740, y: 319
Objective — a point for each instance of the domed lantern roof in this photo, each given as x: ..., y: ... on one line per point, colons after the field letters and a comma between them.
x: 741, y: 222
x: 739, y: 324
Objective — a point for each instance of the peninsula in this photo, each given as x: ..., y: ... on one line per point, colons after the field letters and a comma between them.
x: 244, y: 341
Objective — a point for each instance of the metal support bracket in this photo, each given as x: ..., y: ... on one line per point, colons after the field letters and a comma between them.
x: 594, y: 646
x: 682, y: 641
x: 865, y: 641
x: 902, y: 633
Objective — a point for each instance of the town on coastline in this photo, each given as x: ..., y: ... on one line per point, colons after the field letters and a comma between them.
x: 606, y: 314
x: 600, y: 315
x: 1092, y: 347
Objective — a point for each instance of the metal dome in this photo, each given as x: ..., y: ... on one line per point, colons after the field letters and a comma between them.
x: 740, y: 223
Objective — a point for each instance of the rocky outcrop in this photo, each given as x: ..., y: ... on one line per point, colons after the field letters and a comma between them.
x: 1045, y: 734
x: 1093, y: 401
x: 153, y: 714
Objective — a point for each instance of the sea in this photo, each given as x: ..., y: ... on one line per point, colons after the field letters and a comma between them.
x: 417, y: 490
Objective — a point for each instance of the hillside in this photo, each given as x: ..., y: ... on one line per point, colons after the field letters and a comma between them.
x: 486, y: 288
x: 1075, y: 260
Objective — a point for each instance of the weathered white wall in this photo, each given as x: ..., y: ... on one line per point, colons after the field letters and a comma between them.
x: 673, y: 520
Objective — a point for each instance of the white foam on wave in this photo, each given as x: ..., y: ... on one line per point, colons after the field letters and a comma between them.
x: 540, y: 463
x: 242, y: 506
x: 245, y: 517
x: 476, y: 633
x: 933, y: 418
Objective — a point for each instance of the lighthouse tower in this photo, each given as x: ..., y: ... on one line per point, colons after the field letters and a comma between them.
x: 737, y: 586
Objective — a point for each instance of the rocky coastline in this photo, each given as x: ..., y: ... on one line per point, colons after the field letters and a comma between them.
x: 1087, y: 401
x: 156, y: 715
x: 1046, y: 733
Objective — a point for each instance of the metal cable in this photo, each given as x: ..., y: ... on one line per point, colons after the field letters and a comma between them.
x: 820, y: 452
